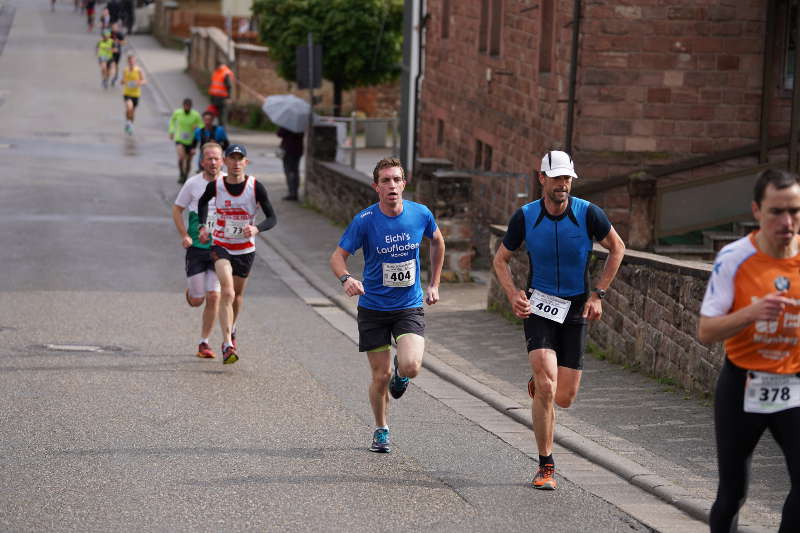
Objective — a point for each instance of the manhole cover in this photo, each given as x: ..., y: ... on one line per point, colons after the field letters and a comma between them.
x: 78, y: 348
x: 73, y: 348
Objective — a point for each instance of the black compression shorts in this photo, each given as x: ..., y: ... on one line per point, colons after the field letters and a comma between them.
x: 568, y: 340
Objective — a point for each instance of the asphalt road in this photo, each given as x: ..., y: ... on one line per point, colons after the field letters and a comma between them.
x: 111, y: 423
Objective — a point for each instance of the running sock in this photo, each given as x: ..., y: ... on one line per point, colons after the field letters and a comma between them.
x: 204, y: 341
x: 382, y: 427
x: 546, y: 460
x: 225, y: 345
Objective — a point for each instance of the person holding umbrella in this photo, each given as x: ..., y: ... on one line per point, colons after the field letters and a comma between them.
x: 291, y: 152
x: 291, y: 114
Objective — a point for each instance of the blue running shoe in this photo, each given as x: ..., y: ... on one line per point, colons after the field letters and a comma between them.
x: 380, y: 441
x: 397, y: 385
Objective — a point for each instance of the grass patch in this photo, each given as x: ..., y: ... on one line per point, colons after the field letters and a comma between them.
x: 595, y: 351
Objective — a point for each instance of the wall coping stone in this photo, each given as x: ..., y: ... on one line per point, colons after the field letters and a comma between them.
x: 347, y: 172
x: 252, y: 47
x: 635, y: 257
x: 444, y: 173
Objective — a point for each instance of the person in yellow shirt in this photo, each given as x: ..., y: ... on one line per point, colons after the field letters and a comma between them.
x: 132, y: 81
x: 104, y: 56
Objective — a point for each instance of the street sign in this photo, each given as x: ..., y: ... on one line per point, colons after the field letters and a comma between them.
x: 305, y: 71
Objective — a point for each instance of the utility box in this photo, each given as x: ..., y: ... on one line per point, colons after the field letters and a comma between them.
x: 375, y: 132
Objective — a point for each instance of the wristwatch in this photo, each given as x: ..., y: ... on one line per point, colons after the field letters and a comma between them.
x: 344, y: 278
x: 601, y: 293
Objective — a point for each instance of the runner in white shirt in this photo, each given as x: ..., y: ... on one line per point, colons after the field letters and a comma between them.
x: 203, y: 285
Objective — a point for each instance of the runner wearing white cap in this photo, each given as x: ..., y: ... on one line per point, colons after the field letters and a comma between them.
x: 558, y: 231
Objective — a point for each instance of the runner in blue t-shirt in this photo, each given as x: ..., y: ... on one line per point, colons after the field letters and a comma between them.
x: 390, y: 298
x: 558, y: 231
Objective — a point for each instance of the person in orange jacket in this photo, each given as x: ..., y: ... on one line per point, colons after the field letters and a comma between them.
x: 220, y: 89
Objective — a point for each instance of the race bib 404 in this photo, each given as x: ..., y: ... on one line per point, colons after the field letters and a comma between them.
x: 771, y: 393
x: 399, y: 274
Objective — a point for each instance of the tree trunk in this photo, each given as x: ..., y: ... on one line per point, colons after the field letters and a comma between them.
x: 337, y: 99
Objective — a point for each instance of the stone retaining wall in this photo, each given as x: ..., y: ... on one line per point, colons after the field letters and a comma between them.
x: 649, y: 315
x: 339, y: 191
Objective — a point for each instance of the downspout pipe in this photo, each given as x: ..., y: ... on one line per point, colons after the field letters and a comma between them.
x: 423, y: 21
x: 573, y: 75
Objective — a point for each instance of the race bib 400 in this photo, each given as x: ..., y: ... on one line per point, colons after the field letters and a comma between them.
x: 549, y: 306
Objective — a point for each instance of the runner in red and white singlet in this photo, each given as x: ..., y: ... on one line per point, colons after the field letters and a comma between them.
x: 237, y: 196
x: 234, y: 213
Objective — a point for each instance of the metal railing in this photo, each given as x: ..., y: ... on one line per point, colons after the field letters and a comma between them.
x: 376, y: 131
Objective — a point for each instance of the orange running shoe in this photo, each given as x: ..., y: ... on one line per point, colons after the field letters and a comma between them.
x: 204, y: 351
x: 544, y: 478
x: 531, y: 387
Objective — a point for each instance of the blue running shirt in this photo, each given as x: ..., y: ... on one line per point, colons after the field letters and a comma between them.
x: 391, y: 254
x: 559, y: 248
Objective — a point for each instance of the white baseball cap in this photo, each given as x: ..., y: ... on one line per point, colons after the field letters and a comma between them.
x: 556, y: 163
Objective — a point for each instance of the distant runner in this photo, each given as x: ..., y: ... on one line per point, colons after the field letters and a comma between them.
x: 105, y: 56
x: 132, y: 81
x: 181, y: 130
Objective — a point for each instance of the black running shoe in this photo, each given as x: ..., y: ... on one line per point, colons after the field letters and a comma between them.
x: 380, y: 441
x: 398, y: 384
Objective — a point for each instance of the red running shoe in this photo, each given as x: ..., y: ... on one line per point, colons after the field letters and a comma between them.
x: 204, y: 351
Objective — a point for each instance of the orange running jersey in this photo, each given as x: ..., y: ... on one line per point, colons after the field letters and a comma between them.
x: 741, y: 274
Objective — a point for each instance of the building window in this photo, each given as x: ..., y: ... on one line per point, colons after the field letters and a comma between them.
x: 445, y: 19
x: 546, y: 37
x: 496, y: 26
x: 790, y: 49
x: 478, y: 154
x: 483, y: 31
x: 490, y: 27
x: 487, y: 157
x: 440, y: 132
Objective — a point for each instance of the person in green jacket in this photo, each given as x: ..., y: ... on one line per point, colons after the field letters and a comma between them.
x: 105, y: 56
x: 181, y: 130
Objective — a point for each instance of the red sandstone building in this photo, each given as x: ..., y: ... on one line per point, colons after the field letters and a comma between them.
x: 676, y: 89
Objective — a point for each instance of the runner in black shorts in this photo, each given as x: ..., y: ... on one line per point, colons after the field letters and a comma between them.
x: 390, y: 305
x: 237, y: 196
x: 558, y: 231
x: 116, y: 50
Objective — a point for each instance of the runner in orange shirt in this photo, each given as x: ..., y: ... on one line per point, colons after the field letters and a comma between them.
x: 752, y: 303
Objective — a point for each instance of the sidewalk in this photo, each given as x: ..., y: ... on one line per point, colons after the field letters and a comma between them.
x: 642, y: 429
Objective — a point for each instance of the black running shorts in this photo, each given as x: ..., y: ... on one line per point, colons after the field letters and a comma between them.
x: 198, y: 260
x: 568, y: 340
x: 134, y: 99
x: 241, y: 263
x: 376, y: 328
